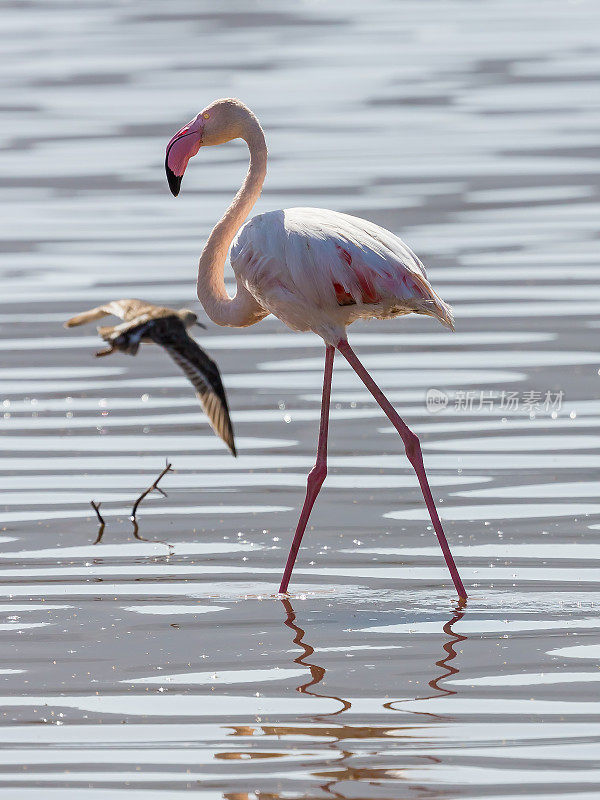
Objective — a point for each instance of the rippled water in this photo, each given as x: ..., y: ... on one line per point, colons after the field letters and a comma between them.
x: 169, y: 665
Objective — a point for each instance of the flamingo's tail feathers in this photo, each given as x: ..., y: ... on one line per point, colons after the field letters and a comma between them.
x: 432, y: 304
x: 444, y: 313
x: 86, y: 316
x: 438, y: 309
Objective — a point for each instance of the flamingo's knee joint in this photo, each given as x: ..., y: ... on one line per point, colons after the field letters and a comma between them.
x: 317, y: 475
x: 412, y: 446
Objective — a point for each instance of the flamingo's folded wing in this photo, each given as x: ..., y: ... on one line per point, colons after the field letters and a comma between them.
x: 202, y: 372
x: 314, y: 258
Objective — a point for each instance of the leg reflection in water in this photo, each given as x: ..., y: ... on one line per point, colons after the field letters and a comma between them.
x: 316, y: 673
x: 359, y: 763
x: 448, y: 646
x: 449, y: 669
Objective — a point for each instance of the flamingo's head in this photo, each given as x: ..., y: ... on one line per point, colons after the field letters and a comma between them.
x: 218, y: 123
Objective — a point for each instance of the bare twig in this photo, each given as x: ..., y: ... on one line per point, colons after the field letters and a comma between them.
x: 136, y: 533
x: 96, y: 507
x: 147, y: 492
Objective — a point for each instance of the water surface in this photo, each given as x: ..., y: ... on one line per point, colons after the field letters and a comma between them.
x: 163, y: 666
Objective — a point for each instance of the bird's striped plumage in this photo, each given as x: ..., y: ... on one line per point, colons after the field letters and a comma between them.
x: 167, y: 327
x: 202, y: 372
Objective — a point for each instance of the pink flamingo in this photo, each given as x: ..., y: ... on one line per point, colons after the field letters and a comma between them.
x: 316, y: 270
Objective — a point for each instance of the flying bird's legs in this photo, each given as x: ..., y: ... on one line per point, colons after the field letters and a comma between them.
x: 413, y: 452
x: 317, y: 475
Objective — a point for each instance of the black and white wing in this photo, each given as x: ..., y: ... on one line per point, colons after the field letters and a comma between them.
x: 201, y: 370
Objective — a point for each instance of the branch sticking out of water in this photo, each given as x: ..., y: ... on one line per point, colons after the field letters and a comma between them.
x: 153, y: 488
x: 96, y: 507
x: 147, y: 492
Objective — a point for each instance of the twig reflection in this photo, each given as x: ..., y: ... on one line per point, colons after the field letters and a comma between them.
x: 102, y: 524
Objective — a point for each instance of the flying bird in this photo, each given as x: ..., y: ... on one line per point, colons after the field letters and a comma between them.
x: 315, y: 270
x: 167, y: 327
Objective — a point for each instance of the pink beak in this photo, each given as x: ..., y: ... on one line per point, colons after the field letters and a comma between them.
x: 180, y: 149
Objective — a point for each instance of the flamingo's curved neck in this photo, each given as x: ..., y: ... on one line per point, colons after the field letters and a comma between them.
x: 242, y: 309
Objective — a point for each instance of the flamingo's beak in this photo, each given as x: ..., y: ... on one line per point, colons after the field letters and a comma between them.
x: 180, y: 149
x: 173, y: 180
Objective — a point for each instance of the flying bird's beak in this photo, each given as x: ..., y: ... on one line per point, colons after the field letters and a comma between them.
x: 183, y: 146
x: 200, y: 325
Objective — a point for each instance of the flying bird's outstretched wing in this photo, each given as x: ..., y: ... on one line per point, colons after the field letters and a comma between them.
x: 127, y: 309
x: 201, y: 370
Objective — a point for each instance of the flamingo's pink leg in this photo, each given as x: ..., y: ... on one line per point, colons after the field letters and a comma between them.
x: 317, y: 475
x: 413, y: 452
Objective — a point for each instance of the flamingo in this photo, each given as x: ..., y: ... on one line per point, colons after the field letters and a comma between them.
x: 314, y: 269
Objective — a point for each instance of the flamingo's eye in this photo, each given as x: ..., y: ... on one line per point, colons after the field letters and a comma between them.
x: 206, y: 115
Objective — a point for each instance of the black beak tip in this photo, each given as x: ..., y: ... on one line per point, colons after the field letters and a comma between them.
x: 174, y: 182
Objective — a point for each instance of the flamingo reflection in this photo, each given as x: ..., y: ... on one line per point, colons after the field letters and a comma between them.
x: 449, y: 669
x: 316, y: 673
x: 341, y: 770
x: 448, y: 646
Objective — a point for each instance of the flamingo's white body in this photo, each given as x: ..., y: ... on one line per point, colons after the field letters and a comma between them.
x: 320, y: 270
x: 316, y: 270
